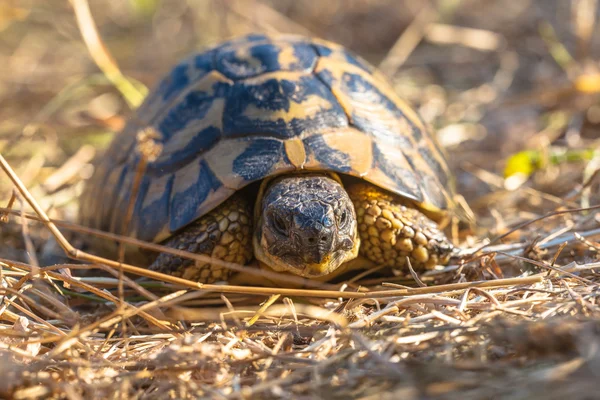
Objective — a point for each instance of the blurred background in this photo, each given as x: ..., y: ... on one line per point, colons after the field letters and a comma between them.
x: 509, y: 86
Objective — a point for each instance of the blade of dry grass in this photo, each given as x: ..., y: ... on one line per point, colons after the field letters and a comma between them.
x: 409, y: 40
x: 102, y: 56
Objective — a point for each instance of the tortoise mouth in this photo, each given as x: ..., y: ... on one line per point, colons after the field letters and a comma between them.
x: 296, y: 265
x: 331, y: 263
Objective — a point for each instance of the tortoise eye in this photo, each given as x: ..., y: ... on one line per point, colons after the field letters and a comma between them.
x: 279, y: 224
x: 343, y: 218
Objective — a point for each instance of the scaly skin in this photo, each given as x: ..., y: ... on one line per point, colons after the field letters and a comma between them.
x: 224, y: 233
x: 391, y: 229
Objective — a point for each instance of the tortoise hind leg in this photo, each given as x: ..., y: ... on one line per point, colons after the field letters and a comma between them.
x: 391, y: 229
x: 224, y: 233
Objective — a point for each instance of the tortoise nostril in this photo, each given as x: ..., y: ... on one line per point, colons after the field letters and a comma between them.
x: 322, y: 239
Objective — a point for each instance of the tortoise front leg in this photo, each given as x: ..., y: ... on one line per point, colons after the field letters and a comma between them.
x: 224, y: 233
x: 391, y: 230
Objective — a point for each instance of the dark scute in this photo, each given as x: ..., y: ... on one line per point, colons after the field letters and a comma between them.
x: 221, y: 89
x: 263, y: 58
x: 322, y: 50
x: 382, y: 132
x: 183, y: 115
x: 407, y: 181
x: 438, y: 169
x: 276, y: 95
x: 193, y: 107
x: 205, y: 61
x: 358, y: 61
x: 332, y: 158
x: 253, y: 37
x: 306, y: 55
x: 185, y: 204
x: 351, y: 58
x: 273, y: 94
x: 258, y: 159
x: 178, y: 79
x: 150, y: 219
x: 199, y: 144
x: 175, y: 82
x: 360, y: 90
x: 326, y: 77
x: 416, y: 131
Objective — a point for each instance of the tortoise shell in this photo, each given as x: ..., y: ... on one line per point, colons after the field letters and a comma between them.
x: 252, y: 108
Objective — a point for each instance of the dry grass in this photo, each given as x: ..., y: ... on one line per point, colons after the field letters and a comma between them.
x: 515, y: 316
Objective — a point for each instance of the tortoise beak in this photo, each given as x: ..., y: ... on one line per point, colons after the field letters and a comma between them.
x: 318, y: 254
x: 319, y: 268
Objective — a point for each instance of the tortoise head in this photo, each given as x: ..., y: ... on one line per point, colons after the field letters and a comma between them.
x: 305, y: 224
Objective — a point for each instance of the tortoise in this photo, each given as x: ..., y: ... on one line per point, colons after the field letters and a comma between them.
x: 285, y: 149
